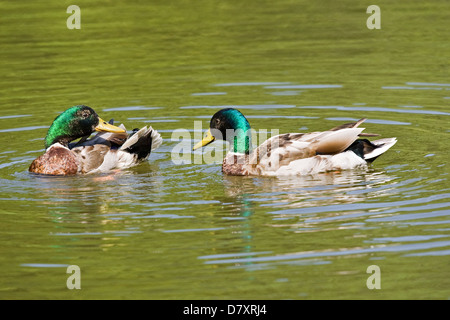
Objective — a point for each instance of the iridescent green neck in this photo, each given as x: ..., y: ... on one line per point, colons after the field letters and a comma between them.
x: 241, y: 141
x: 240, y: 136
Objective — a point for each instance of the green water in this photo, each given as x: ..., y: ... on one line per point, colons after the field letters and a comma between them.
x: 184, y: 231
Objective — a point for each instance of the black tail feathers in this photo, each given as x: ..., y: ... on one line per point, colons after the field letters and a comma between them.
x: 370, y: 150
x: 143, y: 145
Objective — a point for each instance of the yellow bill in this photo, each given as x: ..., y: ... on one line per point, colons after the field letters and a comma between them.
x: 205, y: 141
x: 104, y: 126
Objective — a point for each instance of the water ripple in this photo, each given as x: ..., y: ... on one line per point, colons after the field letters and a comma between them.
x: 305, y: 86
x: 378, y: 121
x: 428, y: 84
x: 333, y: 253
x: 208, y: 94
x: 131, y: 108
x: 376, y: 109
x: 361, y: 206
x: 24, y: 128
x: 257, y: 106
x: 192, y: 230
x: 241, y: 84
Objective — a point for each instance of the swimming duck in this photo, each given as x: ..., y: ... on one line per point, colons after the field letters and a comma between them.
x: 111, y: 148
x: 292, y: 153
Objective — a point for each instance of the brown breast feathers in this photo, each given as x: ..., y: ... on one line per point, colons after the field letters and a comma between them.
x: 235, y: 165
x: 56, y: 161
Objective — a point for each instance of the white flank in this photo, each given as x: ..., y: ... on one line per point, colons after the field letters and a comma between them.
x: 322, y: 163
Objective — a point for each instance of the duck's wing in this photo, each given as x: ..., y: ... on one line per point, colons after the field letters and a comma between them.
x: 349, y: 125
x: 135, y: 150
x: 355, y: 125
x: 107, y: 138
x: 90, y: 157
x: 94, y: 152
x: 111, y: 139
x: 282, y: 149
x: 107, y: 151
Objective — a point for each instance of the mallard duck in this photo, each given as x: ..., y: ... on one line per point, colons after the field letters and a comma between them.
x: 111, y: 148
x: 292, y: 153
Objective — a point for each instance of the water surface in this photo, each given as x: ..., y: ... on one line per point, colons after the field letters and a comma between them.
x: 185, y: 231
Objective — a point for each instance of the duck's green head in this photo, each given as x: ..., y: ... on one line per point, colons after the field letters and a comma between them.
x: 231, y: 125
x: 74, y: 123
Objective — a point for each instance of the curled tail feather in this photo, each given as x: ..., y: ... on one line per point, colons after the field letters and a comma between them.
x: 370, y: 150
x: 142, y: 142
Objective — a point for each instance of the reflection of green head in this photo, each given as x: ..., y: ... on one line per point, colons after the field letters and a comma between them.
x: 232, y: 125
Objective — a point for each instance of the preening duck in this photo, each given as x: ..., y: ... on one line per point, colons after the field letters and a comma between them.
x: 111, y: 148
x: 292, y: 153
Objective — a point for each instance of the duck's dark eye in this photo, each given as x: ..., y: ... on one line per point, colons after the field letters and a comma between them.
x: 85, y: 115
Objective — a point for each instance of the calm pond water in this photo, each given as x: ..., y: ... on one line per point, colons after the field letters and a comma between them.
x: 184, y: 231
